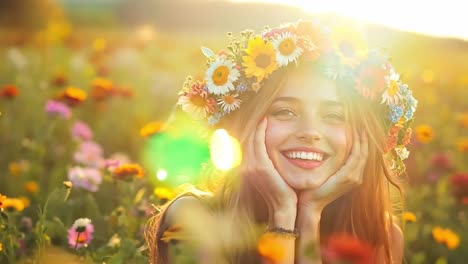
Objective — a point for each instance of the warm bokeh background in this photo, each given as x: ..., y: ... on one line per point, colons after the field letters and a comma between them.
x: 128, y: 59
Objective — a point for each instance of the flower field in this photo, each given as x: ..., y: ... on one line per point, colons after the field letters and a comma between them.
x: 82, y: 144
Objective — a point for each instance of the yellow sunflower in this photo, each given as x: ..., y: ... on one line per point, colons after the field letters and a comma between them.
x: 260, y: 60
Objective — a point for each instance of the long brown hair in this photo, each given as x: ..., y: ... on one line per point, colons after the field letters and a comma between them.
x: 364, y: 212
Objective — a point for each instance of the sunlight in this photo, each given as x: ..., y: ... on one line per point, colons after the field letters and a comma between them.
x: 437, y: 18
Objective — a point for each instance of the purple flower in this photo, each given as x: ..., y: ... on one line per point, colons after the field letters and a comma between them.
x: 80, y: 233
x: 26, y: 225
x: 86, y: 178
x: 81, y: 130
x: 89, y: 154
x: 57, y: 108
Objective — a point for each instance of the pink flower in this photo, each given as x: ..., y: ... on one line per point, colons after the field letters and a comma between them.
x: 89, y: 154
x: 81, y: 233
x: 86, y: 178
x: 81, y: 130
x: 57, y: 108
x: 115, y: 160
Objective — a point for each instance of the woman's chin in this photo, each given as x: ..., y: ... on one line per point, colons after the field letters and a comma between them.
x: 306, y: 182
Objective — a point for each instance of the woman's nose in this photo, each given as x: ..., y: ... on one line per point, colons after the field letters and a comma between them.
x: 309, y: 130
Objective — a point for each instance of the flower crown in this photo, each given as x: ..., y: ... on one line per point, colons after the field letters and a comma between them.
x: 342, y: 53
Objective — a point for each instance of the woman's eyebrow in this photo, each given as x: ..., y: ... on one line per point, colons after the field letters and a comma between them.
x: 331, y: 103
x: 286, y: 99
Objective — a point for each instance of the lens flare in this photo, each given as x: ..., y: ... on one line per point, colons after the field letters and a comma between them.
x: 161, y: 174
x: 224, y: 150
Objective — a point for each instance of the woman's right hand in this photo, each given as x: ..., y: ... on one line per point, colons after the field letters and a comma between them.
x: 260, y: 172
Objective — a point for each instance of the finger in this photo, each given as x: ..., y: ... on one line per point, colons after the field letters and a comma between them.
x: 260, y: 146
x: 359, y: 174
x: 353, y: 159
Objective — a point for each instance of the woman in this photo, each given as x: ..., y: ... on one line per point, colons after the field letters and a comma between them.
x: 322, y: 125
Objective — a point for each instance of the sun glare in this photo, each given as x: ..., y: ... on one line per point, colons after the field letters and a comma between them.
x: 437, y: 18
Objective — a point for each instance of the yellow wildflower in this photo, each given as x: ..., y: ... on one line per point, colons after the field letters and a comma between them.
x: 26, y: 202
x: 13, y: 204
x: 2, y: 198
x: 1, y: 247
x: 271, y: 247
x: 99, y: 44
x: 163, y: 193
x: 14, y: 168
x: 31, y: 187
x: 446, y: 236
x: 68, y: 184
x: 462, y: 144
x: 424, y: 133
x: 151, y: 129
x: 409, y: 217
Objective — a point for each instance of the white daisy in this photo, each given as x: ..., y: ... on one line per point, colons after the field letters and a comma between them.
x: 220, y: 76
x: 392, y: 95
x: 229, y: 102
x: 286, y: 49
x: 81, y: 222
x: 402, y: 152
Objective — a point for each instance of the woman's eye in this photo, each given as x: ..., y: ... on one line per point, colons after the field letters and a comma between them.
x: 284, y: 113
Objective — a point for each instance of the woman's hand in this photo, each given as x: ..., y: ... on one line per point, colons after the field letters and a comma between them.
x: 260, y: 172
x: 346, y: 178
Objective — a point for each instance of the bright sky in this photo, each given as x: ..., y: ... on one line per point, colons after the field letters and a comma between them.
x: 434, y: 17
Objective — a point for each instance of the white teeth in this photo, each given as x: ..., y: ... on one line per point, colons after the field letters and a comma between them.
x: 305, y: 155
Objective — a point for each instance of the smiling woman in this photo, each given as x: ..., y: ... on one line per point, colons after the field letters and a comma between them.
x: 320, y: 122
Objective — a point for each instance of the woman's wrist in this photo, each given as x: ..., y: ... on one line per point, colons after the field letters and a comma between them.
x: 284, y: 218
x: 308, y: 217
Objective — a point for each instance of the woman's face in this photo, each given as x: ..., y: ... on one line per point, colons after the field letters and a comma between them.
x: 308, y: 137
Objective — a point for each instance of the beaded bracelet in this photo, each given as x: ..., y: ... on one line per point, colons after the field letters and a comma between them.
x: 294, y: 233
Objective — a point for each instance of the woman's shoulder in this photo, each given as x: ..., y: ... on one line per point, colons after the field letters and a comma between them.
x: 186, y: 207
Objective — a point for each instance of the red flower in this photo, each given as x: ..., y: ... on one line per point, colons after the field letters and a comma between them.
x: 9, y: 91
x: 460, y: 180
x: 460, y: 187
x: 347, y: 248
x: 442, y: 160
x: 371, y: 82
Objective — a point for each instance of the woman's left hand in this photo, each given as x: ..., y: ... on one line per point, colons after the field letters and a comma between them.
x: 346, y: 178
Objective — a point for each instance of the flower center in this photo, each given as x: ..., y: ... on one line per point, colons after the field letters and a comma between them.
x: 287, y: 47
x: 263, y: 60
x: 220, y: 75
x: 82, y: 238
x: 229, y: 99
x: 393, y: 88
x: 197, y: 100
